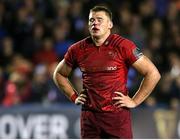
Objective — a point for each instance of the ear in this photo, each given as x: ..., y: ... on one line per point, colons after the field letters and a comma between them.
x: 110, y: 25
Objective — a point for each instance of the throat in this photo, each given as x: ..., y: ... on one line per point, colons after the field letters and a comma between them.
x: 98, y: 41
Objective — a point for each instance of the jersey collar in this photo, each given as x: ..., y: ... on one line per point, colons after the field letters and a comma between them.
x: 106, y: 42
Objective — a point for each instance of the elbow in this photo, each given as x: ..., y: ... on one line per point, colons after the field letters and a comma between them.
x: 159, y: 76
x: 55, y: 76
x: 156, y: 75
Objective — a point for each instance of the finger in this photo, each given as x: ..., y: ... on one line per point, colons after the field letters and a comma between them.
x: 118, y: 102
x: 83, y: 95
x: 117, y: 98
x: 80, y: 102
x: 119, y: 93
x: 121, y: 105
x: 82, y: 99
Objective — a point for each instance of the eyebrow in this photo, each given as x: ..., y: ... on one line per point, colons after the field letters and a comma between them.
x: 96, y: 18
x: 99, y: 18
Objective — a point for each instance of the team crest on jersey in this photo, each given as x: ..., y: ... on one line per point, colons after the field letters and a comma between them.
x: 112, y: 54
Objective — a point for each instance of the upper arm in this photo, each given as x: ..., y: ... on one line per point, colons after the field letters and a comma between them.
x: 63, y: 69
x: 143, y: 65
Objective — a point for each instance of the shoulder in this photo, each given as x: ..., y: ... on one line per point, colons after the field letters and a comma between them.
x: 81, y: 44
x: 122, y: 42
x: 128, y: 43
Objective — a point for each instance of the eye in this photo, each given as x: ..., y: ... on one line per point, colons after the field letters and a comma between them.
x: 91, y: 20
x: 100, y: 19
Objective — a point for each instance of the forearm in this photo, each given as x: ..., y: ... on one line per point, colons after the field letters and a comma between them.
x: 147, y: 85
x: 60, y: 77
x: 64, y: 84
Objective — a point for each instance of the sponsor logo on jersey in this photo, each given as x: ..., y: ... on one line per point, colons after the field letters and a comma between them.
x: 97, y: 69
x: 112, y: 68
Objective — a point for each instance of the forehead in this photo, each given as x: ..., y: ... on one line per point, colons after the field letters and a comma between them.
x: 101, y: 14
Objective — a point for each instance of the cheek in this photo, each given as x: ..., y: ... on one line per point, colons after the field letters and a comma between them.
x: 89, y: 26
x: 108, y: 25
x: 105, y: 26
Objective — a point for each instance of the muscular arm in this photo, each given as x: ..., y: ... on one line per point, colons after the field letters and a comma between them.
x: 151, y: 77
x: 60, y: 78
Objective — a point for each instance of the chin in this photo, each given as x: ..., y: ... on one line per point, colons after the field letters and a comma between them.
x: 95, y: 35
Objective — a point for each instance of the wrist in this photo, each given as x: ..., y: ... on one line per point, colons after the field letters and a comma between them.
x: 73, y: 97
x: 135, y: 103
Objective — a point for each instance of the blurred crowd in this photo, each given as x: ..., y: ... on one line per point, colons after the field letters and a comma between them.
x: 35, y: 34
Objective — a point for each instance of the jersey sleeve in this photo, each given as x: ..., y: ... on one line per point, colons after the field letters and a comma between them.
x: 130, y: 52
x: 70, y: 57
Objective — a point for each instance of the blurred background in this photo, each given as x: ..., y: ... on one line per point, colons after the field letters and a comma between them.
x: 34, y: 36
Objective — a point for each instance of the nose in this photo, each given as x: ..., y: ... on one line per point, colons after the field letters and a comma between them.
x: 95, y: 22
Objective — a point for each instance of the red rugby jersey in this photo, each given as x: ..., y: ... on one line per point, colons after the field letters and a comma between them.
x: 104, y: 69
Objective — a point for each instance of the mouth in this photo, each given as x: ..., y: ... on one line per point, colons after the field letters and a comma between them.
x: 94, y: 29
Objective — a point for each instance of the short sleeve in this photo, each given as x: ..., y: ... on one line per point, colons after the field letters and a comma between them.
x: 70, y: 57
x: 130, y: 52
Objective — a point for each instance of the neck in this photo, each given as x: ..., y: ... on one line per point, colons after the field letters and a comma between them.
x: 98, y: 41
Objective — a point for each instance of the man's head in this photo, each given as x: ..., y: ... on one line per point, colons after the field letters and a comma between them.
x: 100, y: 21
